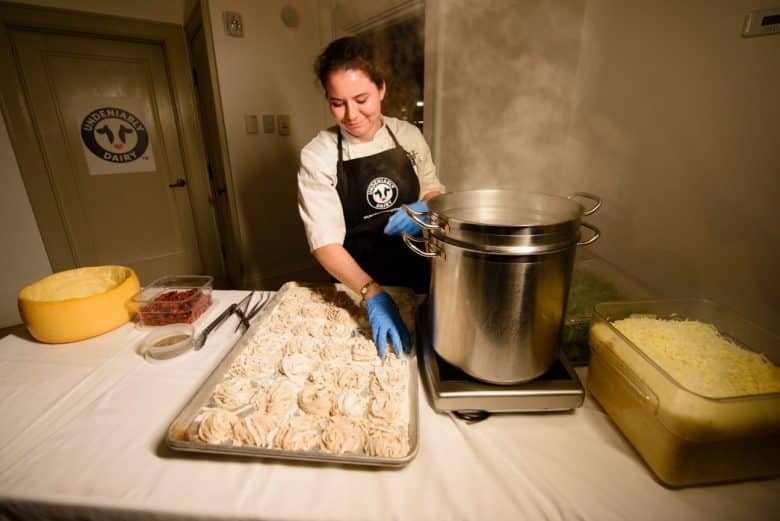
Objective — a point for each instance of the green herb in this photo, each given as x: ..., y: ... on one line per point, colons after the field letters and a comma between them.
x: 588, y: 289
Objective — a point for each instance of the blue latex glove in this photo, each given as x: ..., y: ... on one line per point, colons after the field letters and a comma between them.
x: 400, y: 221
x: 385, y: 320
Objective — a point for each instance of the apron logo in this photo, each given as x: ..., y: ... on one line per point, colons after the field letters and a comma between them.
x: 114, y: 135
x: 382, y: 193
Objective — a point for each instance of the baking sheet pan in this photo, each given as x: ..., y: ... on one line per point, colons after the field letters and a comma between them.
x: 182, y: 432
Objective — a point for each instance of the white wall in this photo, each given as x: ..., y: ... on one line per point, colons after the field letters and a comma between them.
x: 24, y: 259
x: 661, y: 108
x: 269, y: 71
x: 693, y: 173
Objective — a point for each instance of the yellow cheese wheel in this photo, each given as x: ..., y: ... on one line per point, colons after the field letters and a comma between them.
x: 76, y: 304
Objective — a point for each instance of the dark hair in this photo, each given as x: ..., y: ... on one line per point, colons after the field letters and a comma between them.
x: 350, y: 52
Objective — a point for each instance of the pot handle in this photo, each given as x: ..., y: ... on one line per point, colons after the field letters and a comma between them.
x: 596, y: 199
x: 415, y: 216
x: 596, y: 234
x: 409, y: 240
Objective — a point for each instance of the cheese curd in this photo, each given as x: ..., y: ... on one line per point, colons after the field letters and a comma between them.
x: 700, y: 358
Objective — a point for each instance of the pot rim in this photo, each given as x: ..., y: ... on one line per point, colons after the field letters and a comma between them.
x: 486, y: 221
x: 569, y: 210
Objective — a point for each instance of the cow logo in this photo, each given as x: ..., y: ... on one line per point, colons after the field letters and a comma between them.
x: 382, y: 193
x: 114, y: 135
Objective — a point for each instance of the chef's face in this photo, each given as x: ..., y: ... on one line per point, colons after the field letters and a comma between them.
x: 355, y: 102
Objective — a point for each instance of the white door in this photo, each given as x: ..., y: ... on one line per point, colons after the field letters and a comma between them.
x: 104, y: 115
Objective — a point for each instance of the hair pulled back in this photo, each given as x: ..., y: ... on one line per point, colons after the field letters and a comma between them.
x: 350, y: 52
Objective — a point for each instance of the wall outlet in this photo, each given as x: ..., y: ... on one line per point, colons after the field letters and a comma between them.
x: 760, y: 22
x: 234, y: 26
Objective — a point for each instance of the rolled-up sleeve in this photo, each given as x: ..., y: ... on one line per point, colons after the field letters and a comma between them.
x: 318, y: 202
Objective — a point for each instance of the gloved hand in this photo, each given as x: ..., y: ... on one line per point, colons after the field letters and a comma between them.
x: 400, y: 221
x: 385, y: 320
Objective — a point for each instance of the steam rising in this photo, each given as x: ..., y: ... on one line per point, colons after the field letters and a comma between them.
x: 505, y: 92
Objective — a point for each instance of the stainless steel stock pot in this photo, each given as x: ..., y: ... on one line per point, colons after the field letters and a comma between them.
x: 501, y: 268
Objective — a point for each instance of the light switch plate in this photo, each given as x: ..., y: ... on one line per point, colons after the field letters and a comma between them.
x: 234, y: 26
x: 283, y: 124
x: 250, y: 122
x: 762, y: 22
x: 268, y: 123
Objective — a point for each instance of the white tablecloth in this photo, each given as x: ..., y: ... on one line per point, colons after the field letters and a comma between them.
x: 82, y: 430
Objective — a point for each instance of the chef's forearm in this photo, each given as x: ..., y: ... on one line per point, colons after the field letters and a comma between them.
x: 430, y: 195
x: 340, y: 264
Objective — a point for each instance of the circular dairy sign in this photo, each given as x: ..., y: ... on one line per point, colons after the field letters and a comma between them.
x: 382, y: 193
x: 114, y: 135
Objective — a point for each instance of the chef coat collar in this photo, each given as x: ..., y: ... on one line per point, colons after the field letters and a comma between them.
x: 352, y: 140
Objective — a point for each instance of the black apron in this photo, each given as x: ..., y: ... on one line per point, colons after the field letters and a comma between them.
x: 370, y: 189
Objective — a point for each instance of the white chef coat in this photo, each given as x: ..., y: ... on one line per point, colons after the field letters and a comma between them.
x: 318, y: 202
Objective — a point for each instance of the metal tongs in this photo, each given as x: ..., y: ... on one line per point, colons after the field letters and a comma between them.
x: 243, y: 319
x: 247, y: 317
x: 239, y: 308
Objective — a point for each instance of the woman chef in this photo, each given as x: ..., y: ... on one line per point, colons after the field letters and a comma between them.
x: 352, y: 181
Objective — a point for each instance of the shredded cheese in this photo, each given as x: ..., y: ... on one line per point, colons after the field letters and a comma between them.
x: 699, y: 358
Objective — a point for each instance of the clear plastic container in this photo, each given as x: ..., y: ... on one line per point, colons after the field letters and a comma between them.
x: 167, y: 342
x: 173, y: 300
x: 593, y: 280
x: 684, y: 437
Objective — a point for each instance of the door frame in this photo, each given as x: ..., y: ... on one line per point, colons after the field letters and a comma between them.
x: 395, y: 12
x: 199, y: 20
x: 24, y: 137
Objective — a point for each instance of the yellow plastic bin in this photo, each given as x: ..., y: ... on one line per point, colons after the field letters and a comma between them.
x: 686, y: 437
